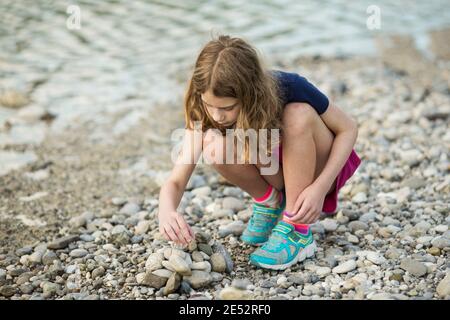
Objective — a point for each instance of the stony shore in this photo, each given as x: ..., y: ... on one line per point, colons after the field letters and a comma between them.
x: 79, y: 222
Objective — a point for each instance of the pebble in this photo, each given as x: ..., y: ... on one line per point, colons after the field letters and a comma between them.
x: 323, y: 271
x: 232, y: 192
x: 81, y: 220
x: 168, y: 266
x: 345, y: 267
x: 49, y: 257
x: 198, y: 279
x: 142, y: 227
x: 78, y: 253
x: 23, y: 251
x: 173, y: 283
x: 414, y: 267
x: 7, y: 291
x: 357, y: 225
x: 49, y: 288
x: 201, y: 191
x: 110, y: 248
x: 360, y: 197
x: 241, y: 284
x: 185, y: 287
x: 86, y: 238
x: 411, y: 157
x: 443, y: 288
x: 62, y: 243
x: 203, y: 265
x: 244, y: 215
x: 163, y: 273
x: 222, y: 213
x: 425, y: 240
x: 154, y: 281
x: 434, y: 251
x: 197, y: 256
x: 216, y: 277
x: 71, y: 269
x: 206, y: 248
x: 235, y: 228
x: 140, y: 278
x: 192, y: 246
x: 117, y: 201
x: 367, y: 217
x: 130, y: 209
x: 98, y: 272
x: 36, y: 257
x: 23, y: 278
x: 26, y: 288
x: 329, y: 225
x: 233, y: 204
x: 219, y: 248
x: 232, y: 293
x: 352, y: 238
x: 441, y: 228
x: 180, y: 265
x: 375, y: 258
x: 195, y: 181
x: 441, y: 242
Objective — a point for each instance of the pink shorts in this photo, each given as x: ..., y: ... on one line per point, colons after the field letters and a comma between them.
x: 349, y: 168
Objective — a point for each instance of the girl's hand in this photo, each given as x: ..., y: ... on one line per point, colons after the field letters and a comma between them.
x: 309, y: 205
x: 173, y: 227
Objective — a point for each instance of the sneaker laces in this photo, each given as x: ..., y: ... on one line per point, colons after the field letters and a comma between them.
x: 259, y: 219
x: 275, y: 239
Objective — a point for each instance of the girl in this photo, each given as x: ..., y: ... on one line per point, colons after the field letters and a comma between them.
x: 230, y: 89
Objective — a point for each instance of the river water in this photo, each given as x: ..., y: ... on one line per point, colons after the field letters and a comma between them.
x: 128, y: 56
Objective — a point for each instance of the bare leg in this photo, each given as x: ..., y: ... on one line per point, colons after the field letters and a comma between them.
x: 299, y: 160
x: 246, y: 176
x: 306, y: 147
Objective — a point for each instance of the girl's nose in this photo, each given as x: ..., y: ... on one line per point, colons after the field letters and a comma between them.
x: 218, y: 117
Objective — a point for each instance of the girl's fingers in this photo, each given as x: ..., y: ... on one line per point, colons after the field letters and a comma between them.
x: 306, y: 218
x: 170, y: 234
x: 191, y: 232
x: 164, y: 234
x: 174, y: 234
x: 184, y: 232
x: 301, y: 213
x: 310, y: 217
x: 178, y: 233
x: 298, y: 204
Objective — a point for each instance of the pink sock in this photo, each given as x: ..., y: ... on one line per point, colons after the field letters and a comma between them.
x: 272, y: 198
x: 301, y: 228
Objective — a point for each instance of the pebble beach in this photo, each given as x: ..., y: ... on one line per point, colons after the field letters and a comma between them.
x: 81, y: 167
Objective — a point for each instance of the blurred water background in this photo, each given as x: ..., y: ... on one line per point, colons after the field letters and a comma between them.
x: 129, y: 54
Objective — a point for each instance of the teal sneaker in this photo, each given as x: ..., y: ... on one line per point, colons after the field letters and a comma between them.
x: 284, y: 248
x: 261, y: 223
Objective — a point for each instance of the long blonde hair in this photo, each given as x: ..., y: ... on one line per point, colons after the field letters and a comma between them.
x: 230, y: 67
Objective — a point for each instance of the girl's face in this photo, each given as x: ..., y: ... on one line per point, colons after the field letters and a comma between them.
x: 223, y: 110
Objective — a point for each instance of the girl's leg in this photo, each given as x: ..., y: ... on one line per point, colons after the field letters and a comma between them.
x: 307, y: 144
x: 269, y: 203
x: 245, y: 176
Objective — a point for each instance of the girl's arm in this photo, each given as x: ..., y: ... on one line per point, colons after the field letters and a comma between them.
x: 171, y: 223
x: 345, y: 129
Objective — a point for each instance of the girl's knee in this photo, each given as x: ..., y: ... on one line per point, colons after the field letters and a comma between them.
x: 298, y: 117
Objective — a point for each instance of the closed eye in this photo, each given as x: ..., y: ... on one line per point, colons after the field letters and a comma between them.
x: 229, y: 108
